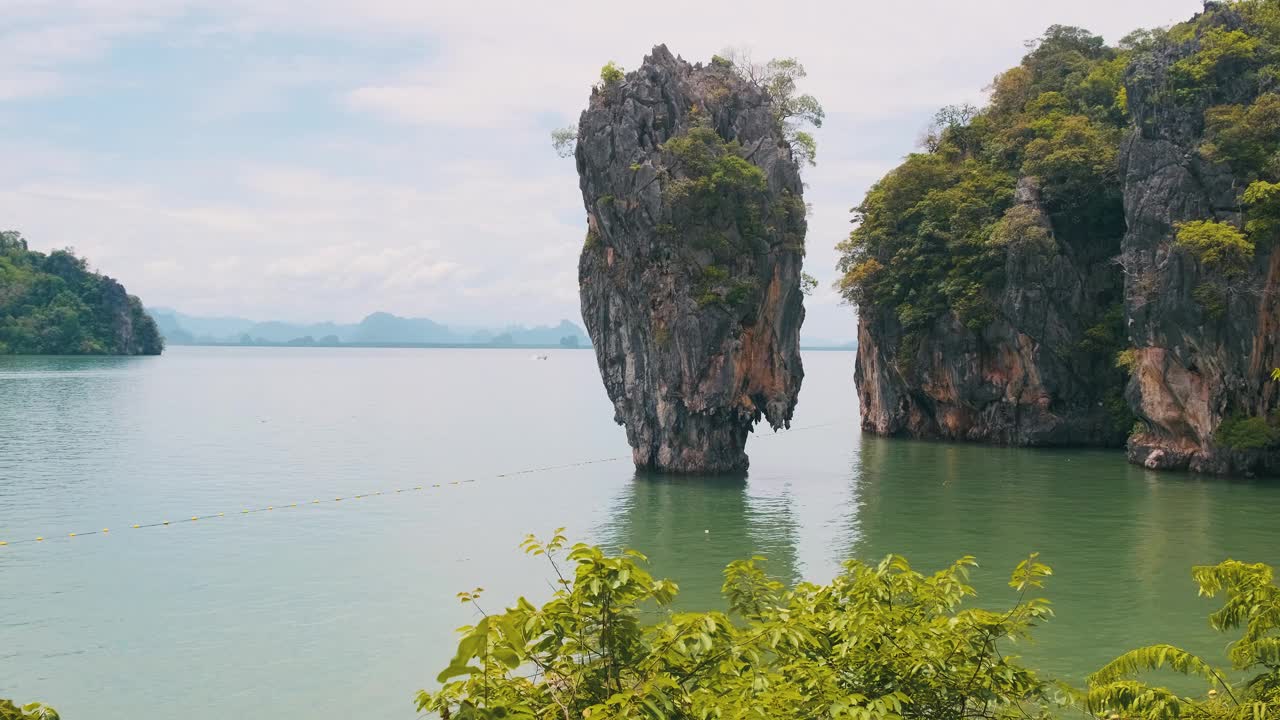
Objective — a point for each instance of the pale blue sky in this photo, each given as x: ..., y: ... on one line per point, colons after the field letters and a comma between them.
x: 324, y: 160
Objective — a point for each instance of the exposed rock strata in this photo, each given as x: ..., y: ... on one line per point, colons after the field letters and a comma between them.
x: 1194, y: 368
x: 692, y: 301
x: 1020, y: 380
x: 1196, y: 365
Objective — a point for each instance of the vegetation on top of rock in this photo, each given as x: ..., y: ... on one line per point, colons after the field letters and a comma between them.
x: 1247, y: 433
x: 932, y: 235
x: 710, y: 186
x: 881, y: 641
x: 611, y: 74
x: 696, y: 221
x: 54, y: 305
x: 792, y: 110
x: 1232, y: 63
x: 779, y: 78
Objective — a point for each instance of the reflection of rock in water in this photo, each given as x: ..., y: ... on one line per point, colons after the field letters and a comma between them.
x: 691, y: 528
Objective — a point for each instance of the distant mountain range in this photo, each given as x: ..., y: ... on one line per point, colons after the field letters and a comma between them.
x: 808, y: 343
x: 380, y: 328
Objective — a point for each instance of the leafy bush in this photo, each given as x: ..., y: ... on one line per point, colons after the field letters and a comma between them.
x: 1246, y: 433
x: 1217, y: 245
x: 1263, y: 201
x: 792, y: 110
x: 879, y: 641
x: 31, y: 711
x: 611, y: 74
x: 717, y: 197
x: 1245, y: 137
x: 1222, y: 53
x: 1127, y: 360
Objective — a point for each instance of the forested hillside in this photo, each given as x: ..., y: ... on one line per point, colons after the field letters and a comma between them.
x: 1094, y: 247
x: 54, y: 305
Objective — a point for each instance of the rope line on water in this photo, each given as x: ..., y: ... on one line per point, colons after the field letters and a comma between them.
x: 351, y: 498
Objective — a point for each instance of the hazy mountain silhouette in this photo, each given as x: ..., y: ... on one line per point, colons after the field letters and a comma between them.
x: 378, y: 328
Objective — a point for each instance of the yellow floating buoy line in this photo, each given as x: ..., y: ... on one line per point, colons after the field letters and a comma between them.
x: 398, y: 491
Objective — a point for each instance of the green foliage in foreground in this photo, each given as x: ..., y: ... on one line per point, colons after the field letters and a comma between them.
x: 879, y: 642
x: 30, y: 711
x: 54, y: 305
x: 1252, y: 606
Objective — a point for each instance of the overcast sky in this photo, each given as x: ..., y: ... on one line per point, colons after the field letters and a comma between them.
x: 327, y: 159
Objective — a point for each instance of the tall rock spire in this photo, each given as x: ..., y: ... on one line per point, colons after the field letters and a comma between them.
x: 690, y: 271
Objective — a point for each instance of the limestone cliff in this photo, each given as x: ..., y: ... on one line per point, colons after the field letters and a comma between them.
x: 690, y: 271
x: 1024, y: 378
x: 1198, y: 363
x: 1092, y: 256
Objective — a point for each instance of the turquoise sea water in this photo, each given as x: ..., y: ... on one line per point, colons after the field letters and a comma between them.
x: 329, y: 608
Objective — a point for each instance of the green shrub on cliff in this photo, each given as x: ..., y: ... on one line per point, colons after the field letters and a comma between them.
x: 1263, y: 201
x: 792, y: 110
x: 1222, y: 54
x: 1127, y: 360
x: 1218, y: 245
x: 932, y: 235
x: 1246, y: 433
x: 611, y: 74
x: 709, y: 185
x: 1244, y: 136
x: 54, y: 305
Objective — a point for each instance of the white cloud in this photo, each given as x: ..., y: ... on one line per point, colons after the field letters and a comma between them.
x: 429, y: 187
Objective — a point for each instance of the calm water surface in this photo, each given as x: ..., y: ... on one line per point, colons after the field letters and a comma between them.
x: 318, y: 610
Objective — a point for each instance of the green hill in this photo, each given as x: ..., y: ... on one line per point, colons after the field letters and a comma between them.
x: 54, y: 305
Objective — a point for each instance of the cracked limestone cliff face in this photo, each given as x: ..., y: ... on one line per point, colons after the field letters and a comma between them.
x: 1021, y: 379
x: 690, y: 283
x: 1193, y: 369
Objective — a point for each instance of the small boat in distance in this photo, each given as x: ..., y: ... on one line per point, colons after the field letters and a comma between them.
x: 541, y: 356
